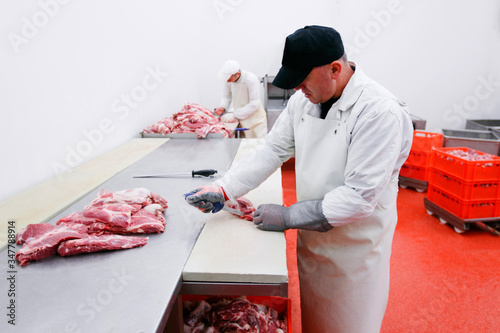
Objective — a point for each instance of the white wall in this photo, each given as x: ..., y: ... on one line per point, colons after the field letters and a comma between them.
x: 79, y: 78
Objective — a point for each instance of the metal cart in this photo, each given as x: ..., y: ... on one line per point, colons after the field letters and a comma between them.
x: 491, y: 225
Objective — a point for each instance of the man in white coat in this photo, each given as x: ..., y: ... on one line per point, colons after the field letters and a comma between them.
x: 350, y: 137
x: 241, y: 100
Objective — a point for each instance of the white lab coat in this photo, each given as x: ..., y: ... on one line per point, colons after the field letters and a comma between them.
x: 351, y: 160
x: 242, y: 98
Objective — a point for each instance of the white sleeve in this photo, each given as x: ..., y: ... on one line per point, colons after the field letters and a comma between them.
x: 255, y: 167
x: 226, y: 96
x: 374, y: 154
x: 254, y: 102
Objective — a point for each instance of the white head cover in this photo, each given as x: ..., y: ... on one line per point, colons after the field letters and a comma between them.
x: 229, y: 68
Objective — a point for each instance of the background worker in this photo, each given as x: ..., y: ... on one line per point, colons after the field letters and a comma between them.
x: 241, y: 100
x: 350, y: 137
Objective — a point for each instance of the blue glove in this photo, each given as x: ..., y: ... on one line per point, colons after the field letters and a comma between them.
x: 307, y: 215
x: 209, y: 198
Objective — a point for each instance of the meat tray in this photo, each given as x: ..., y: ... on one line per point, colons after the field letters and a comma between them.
x: 181, y: 135
x: 485, y: 141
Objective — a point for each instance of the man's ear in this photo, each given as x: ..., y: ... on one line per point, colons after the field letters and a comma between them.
x: 336, y: 68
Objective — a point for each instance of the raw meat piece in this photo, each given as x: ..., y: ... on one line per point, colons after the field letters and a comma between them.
x: 231, y: 315
x: 150, y: 219
x: 222, y: 129
x: 45, y: 245
x: 164, y: 126
x: 78, y: 217
x: 113, y: 214
x: 142, y: 222
x: 158, y: 199
x: 195, y: 317
x: 157, y: 210
x: 245, y: 206
x: 136, y: 196
x: 32, y: 230
x: 86, y: 228
x: 99, y: 243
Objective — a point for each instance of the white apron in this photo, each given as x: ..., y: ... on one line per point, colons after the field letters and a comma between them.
x: 257, y: 122
x: 343, y: 273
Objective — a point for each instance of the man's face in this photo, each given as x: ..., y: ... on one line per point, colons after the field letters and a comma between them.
x: 234, y: 77
x: 319, y: 85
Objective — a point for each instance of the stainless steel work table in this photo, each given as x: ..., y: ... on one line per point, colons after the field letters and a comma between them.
x: 131, y: 290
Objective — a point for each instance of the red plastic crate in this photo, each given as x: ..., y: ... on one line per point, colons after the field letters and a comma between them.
x: 414, y: 171
x: 465, y: 190
x: 463, y: 209
x: 282, y: 305
x: 425, y: 141
x: 419, y: 158
x: 464, y: 169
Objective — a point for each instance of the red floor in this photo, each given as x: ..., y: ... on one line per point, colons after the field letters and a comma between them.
x: 441, y: 281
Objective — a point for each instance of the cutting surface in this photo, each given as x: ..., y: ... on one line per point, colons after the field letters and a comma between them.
x: 120, y: 291
x: 230, y: 249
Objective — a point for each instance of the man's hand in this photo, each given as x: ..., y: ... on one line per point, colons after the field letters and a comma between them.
x: 307, y: 215
x: 219, y: 111
x: 209, y: 198
x: 271, y: 217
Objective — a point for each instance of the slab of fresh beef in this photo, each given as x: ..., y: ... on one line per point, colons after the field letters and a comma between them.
x: 136, y: 196
x: 231, y: 315
x: 142, y: 222
x: 78, y: 217
x: 45, y: 245
x: 245, y: 206
x: 158, y: 199
x: 156, y: 210
x: 99, y: 243
x: 114, y: 214
x: 32, y: 230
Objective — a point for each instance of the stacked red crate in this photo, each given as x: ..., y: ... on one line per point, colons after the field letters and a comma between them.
x: 469, y: 189
x: 418, y: 162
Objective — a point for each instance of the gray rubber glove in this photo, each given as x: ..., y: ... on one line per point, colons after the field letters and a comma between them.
x: 208, y: 198
x: 307, y: 215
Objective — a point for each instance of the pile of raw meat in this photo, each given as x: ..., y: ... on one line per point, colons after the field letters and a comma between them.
x: 99, y: 227
x: 193, y: 118
x: 238, y: 315
x: 471, y: 155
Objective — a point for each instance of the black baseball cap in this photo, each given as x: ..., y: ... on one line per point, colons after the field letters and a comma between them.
x: 309, y: 47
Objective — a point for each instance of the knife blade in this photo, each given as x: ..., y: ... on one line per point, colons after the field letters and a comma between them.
x: 194, y: 173
x: 232, y: 211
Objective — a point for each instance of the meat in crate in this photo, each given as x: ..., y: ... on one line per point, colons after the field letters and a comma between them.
x: 236, y: 314
x: 467, y: 164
